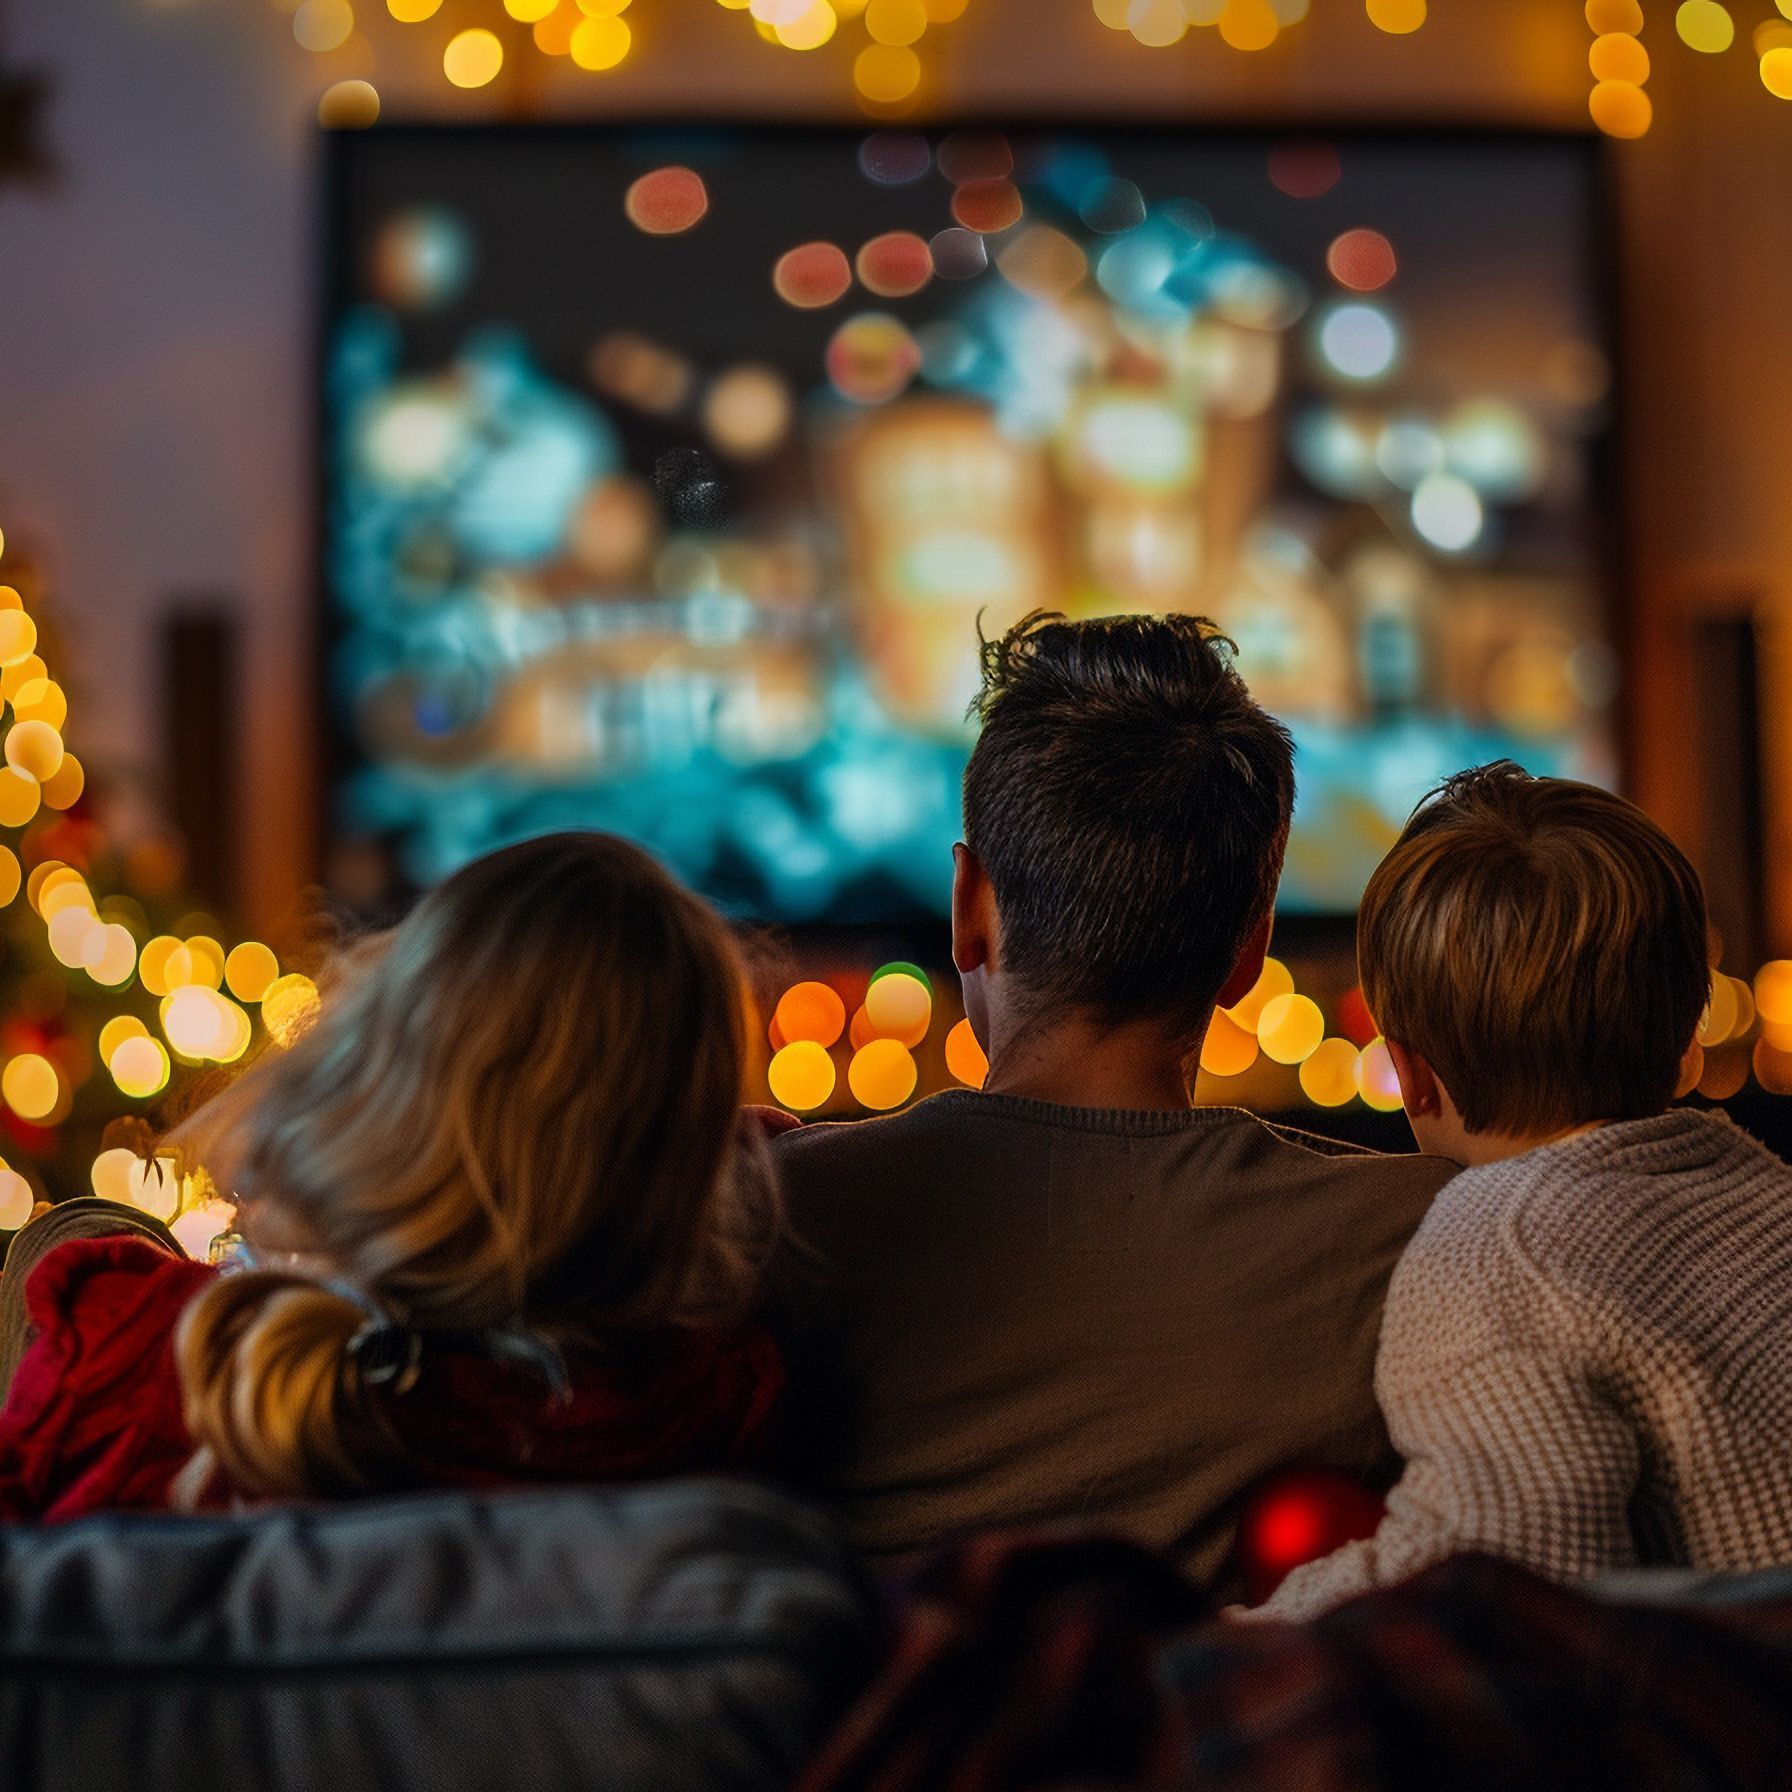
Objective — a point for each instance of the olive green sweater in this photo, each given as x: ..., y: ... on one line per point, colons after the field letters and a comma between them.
x: 1005, y: 1312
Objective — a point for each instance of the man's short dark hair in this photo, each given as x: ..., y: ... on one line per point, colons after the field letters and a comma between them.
x: 1129, y: 801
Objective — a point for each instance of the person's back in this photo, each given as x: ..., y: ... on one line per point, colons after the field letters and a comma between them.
x: 1073, y: 1297
x: 1587, y: 1354
x: 1026, y: 1313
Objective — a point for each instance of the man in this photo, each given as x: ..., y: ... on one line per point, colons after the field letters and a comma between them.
x: 1073, y: 1296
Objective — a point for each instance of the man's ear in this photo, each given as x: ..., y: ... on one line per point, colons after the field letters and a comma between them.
x: 1423, y: 1093
x: 973, y: 914
x: 1248, y: 966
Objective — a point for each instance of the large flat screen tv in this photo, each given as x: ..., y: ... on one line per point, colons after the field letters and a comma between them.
x: 669, y: 476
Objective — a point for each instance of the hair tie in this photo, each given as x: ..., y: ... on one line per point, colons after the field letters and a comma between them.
x: 386, y: 1355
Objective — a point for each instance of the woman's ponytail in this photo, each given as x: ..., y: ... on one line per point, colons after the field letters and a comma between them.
x: 273, y: 1394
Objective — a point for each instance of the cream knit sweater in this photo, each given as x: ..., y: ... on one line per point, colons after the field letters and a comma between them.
x: 1586, y: 1362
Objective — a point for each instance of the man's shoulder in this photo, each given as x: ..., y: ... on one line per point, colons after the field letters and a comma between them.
x: 1295, y: 1150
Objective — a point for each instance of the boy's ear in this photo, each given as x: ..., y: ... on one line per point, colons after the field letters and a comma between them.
x: 973, y: 913
x: 1418, y: 1082
x: 1248, y: 966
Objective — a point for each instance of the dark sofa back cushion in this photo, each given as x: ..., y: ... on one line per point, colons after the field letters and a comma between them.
x: 698, y: 1634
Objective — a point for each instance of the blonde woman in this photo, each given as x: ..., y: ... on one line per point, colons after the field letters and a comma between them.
x: 503, y: 1221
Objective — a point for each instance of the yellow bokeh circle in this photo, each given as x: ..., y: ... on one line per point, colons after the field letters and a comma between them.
x: 1328, y: 1076
x: 116, y: 1031
x: 20, y: 798
x: 249, y: 969
x: 140, y: 1068
x: 801, y: 1076
x: 473, y: 58
x: 289, y: 1007
x: 1276, y: 980
x: 899, y: 1007
x: 1376, y: 1080
x: 882, y: 1075
x: 18, y: 636
x: 35, y: 749
x: 1291, y: 1028
x: 30, y: 1086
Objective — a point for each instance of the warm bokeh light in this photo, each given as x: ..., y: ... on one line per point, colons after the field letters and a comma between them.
x: 899, y: 1007
x: 1705, y: 26
x: 599, y: 44
x: 116, y: 1031
x: 1620, y: 109
x: 321, y: 25
x: 154, y: 961
x: 17, y: 1199
x: 140, y: 1067
x: 153, y: 1184
x: 289, y: 1007
x: 1607, y: 16
x: 899, y: 22
x: 1773, y: 992
x: 194, y: 1021
x: 64, y: 789
x: 886, y: 74
x: 1228, y: 1049
x: 30, y: 1086
x: 882, y: 1075
x: 810, y: 1012
x: 987, y: 206
x: 1328, y: 1074
x: 249, y: 969
x: 11, y: 875
x: 473, y: 58
x: 810, y: 277
x: 801, y: 1076
x: 1376, y: 1079
x: 812, y: 29
x: 1776, y: 72
x: 18, y: 636
x: 413, y: 12
x: 196, y: 1229
x: 1290, y: 1028
x: 35, y: 749
x: 965, y: 1057
x: 872, y: 358
x: 1251, y: 24
x: 109, y: 955
x: 1276, y: 980
x: 666, y: 202
x: 349, y: 106
x: 1396, y: 16
x: 895, y: 265
x: 110, y: 1176
x: 1363, y: 260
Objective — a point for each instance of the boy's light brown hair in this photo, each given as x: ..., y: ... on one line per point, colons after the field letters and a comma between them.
x: 1541, y: 945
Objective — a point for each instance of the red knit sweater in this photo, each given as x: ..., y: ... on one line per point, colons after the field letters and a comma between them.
x: 93, y: 1420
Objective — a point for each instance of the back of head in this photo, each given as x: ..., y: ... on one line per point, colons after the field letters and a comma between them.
x: 1129, y: 802
x: 519, y: 1108
x: 1542, y: 945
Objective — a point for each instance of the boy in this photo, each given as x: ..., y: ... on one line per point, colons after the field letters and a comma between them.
x: 1073, y: 1296
x: 1587, y: 1354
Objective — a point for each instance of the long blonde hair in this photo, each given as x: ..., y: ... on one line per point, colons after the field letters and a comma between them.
x: 519, y: 1107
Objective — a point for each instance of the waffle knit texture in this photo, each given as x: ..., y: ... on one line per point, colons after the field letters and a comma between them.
x: 1586, y: 1362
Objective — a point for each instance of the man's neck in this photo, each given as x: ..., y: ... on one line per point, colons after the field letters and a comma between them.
x: 1079, y: 1064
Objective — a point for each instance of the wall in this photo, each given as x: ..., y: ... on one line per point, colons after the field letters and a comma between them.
x: 154, y: 337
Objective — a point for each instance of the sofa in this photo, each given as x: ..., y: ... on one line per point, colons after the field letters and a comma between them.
x: 692, y: 1635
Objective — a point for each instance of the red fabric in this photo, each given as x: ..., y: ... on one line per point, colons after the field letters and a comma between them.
x: 93, y: 1421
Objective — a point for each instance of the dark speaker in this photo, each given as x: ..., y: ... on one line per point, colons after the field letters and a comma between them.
x: 1732, y: 799
x: 203, y: 745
